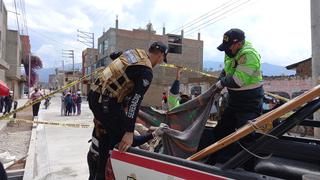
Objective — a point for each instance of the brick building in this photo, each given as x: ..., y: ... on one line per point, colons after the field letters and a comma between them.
x: 303, y: 68
x: 182, y: 51
x: 288, y: 84
x: 292, y: 85
x: 70, y: 76
x: 89, y: 60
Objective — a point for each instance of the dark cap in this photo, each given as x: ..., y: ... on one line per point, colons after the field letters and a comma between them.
x: 160, y: 46
x: 230, y: 37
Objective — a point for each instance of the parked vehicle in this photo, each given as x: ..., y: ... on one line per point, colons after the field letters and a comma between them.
x: 275, y: 155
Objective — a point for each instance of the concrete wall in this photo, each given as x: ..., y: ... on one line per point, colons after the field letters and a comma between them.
x: 89, y: 61
x: 2, y: 75
x: 13, y: 55
x: 3, y: 31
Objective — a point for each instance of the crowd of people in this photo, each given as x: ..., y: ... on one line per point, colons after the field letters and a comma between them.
x: 71, y: 103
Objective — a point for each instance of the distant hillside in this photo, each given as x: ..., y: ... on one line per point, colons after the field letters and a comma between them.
x: 267, y: 69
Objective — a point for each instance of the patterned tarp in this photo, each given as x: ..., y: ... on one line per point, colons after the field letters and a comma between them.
x: 186, y: 123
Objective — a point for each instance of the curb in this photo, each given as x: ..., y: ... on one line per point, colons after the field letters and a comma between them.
x: 3, y: 124
x: 30, y: 167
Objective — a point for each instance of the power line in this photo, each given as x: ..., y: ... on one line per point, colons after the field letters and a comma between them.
x: 23, y: 8
x: 203, y: 17
x: 53, y: 40
x: 15, y: 7
x: 205, y: 24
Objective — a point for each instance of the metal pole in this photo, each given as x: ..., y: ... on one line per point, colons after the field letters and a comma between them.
x: 29, y: 75
x: 92, y: 40
x: 315, y: 39
x: 63, y: 65
x: 72, y: 56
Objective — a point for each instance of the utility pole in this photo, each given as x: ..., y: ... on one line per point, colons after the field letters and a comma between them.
x: 87, y: 38
x: 315, y: 39
x: 29, y: 76
x: 69, y: 54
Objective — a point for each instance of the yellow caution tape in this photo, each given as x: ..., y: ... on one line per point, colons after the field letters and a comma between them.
x: 61, y: 124
x: 187, y: 69
x: 28, y: 104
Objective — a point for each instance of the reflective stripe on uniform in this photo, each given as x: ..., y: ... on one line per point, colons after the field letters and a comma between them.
x: 252, y: 86
x: 94, y: 151
x: 257, y: 73
x: 248, y: 71
x: 95, y: 141
x: 245, y: 69
x: 238, y: 81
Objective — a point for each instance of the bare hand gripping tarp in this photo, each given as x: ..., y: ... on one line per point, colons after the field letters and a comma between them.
x: 186, y: 123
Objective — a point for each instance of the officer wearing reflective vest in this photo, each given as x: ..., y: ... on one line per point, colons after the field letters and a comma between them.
x: 176, y: 98
x: 243, y: 79
x: 129, y: 75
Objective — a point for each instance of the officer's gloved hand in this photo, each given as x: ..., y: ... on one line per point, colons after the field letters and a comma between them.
x: 159, y: 130
x: 222, y: 74
x: 219, y: 85
x: 115, y: 55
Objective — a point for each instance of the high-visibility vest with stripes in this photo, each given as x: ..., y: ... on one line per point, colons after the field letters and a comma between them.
x: 173, y: 101
x: 113, y: 81
x: 245, y: 67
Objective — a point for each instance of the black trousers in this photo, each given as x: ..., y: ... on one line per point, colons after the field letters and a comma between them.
x: 35, y: 109
x: 98, y: 164
x: 92, y: 161
x: 7, y: 108
x: 230, y: 121
x: 3, y: 174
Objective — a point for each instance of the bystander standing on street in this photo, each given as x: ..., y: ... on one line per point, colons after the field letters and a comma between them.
x: 63, y: 105
x: 1, y: 104
x: 78, y: 102
x: 74, y: 101
x: 34, y: 96
x: 164, y: 102
x: 68, y: 102
x: 8, y: 100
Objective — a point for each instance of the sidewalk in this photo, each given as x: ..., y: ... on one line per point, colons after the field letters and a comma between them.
x: 59, y: 152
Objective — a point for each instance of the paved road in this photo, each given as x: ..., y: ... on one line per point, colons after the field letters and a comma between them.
x: 60, y: 152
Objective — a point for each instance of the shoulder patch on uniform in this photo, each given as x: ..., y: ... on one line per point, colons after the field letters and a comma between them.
x: 145, y: 82
x: 242, y: 60
x: 130, y: 56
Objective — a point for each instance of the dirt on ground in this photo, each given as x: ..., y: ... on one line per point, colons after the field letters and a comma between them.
x: 15, y: 139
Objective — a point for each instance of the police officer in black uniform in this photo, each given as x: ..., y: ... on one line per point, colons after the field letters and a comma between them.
x: 130, y: 76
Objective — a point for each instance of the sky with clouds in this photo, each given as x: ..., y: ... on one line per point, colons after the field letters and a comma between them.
x: 279, y: 30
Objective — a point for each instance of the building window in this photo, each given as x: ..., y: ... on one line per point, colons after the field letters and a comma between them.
x: 100, y: 48
x: 106, y: 45
x: 176, y: 49
x: 175, y: 44
x: 176, y: 39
